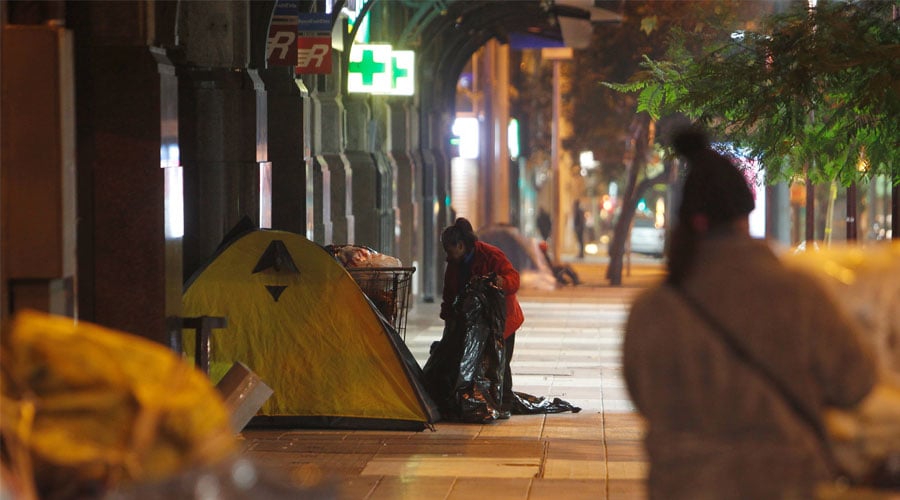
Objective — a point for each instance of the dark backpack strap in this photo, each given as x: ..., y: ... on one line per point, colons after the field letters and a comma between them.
x: 744, y: 355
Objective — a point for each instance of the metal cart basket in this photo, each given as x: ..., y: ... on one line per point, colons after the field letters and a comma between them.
x: 388, y: 288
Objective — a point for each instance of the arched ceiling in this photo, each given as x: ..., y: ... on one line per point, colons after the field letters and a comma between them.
x: 452, y: 30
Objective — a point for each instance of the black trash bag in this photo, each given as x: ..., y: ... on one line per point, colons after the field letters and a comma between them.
x: 464, y: 373
x: 480, y: 383
x: 442, y: 369
x: 526, y: 404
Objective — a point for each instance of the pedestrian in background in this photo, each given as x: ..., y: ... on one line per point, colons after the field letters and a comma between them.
x: 733, y: 360
x: 467, y: 258
x: 578, y: 226
x: 544, y: 224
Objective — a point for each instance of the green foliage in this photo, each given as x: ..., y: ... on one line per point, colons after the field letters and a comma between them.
x: 655, y: 94
x: 812, y: 91
x: 601, y: 115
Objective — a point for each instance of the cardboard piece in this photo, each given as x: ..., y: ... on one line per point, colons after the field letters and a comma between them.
x: 244, y: 394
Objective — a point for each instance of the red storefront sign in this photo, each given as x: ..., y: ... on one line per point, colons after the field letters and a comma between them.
x: 282, y: 46
x: 313, y: 55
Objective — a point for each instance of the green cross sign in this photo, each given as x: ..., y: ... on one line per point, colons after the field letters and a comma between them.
x: 398, y: 72
x: 378, y: 69
x: 403, y: 63
x: 367, y: 67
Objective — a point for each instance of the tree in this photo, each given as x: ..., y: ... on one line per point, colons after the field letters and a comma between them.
x: 816, y: 87
x: 605, y: 119
x: 812, y: 94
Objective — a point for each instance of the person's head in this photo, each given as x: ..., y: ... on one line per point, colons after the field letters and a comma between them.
x: 458, y: 239
x: 715, y: 199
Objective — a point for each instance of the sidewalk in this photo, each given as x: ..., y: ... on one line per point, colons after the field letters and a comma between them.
x: 569, y: 347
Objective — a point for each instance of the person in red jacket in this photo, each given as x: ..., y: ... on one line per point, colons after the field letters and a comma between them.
x: 468, y: 257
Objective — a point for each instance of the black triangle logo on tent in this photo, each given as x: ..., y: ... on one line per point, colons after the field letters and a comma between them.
x: 278, y: 258
x: 275, y: 291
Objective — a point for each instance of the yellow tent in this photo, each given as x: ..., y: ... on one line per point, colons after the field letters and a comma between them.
x: 298, y: 320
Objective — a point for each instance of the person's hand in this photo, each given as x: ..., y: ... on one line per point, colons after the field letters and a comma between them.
x: 498, y: 280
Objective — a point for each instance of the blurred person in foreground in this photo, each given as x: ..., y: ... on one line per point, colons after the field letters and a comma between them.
x: 734, y: 358
x: 468, y: 258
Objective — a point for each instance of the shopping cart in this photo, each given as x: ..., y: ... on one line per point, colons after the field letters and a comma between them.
x: 388, y: 288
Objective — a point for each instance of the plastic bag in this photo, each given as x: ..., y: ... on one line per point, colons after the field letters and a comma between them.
x: 464, y: 373
x: 526, y: 404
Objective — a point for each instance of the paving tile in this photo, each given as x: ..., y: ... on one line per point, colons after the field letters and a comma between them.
x: 458, y: 430
x: 481, y: 448
x: 619, y: 406
x: 626, y: 490
x: 568, y: 489
x: 467, y: 488
x: 519, y: 426
x: 627, y: 470
x: 466, y: 466
x: 625, y: 450
x: 575, y: 449
x: 394, y: 488
x: 358, y: 487
x: 557, y: 468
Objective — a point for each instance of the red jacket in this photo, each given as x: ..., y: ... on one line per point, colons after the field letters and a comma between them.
x: 487, y: 259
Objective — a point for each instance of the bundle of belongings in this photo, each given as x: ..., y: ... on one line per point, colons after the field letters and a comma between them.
x: 87, y: 409
x: 91, y: 412
x: 379, y: 276
x: 866, y: 282
x: 352, y: 256
x: 464, y: 372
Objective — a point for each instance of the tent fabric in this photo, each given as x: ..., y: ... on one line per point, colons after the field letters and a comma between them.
x: 298, y: 320
x: 523, y: 254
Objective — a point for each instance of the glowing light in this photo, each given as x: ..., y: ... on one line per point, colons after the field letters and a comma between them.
x: 174, y: 204
x: 379, y: 69
x: 467, y: 129
x: 512, y: 138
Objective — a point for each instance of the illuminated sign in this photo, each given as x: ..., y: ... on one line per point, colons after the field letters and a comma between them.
x: 313, y: 55
x: 281, y: 48
x: 378, y: 69
x: 313, y: 44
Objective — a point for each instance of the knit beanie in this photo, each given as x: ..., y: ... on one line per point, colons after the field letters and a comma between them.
x: 714, y: 187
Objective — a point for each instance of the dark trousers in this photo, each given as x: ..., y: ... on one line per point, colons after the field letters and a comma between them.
x: 509, y: 345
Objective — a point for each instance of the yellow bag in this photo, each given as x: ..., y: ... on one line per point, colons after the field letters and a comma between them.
x: 86, y: 408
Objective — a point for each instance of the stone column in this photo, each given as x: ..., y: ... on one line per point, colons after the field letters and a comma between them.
x: 286, y: 149
x: 366, y: 193
x: 220, y: 148
x: 407, y: 204
x: 334, y: 178
x: 222, y: 125
x: 129, y: 232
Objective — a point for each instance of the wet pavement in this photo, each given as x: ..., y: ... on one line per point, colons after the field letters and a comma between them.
x: 569, y: 347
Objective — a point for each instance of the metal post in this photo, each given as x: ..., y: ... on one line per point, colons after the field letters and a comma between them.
x: 554, y: 165
x: 851, y: 212
x: 810, y: 213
